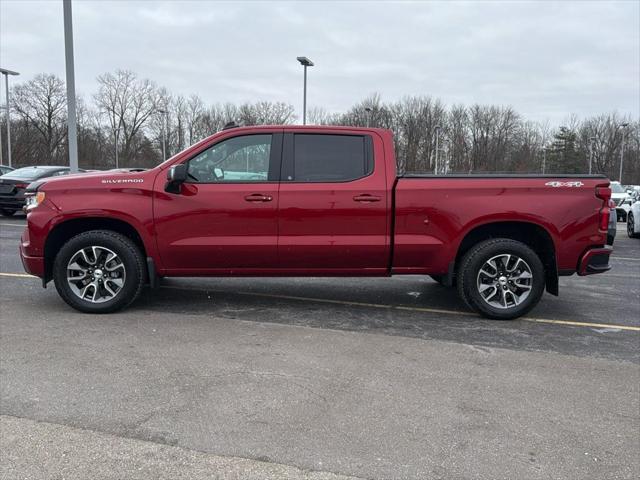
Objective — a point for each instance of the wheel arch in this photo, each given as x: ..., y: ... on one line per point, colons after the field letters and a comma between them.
x: 531, y: 234
x: 64, y: 231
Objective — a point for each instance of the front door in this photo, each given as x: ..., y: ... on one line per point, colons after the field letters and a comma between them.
x: 225, y: 217
x: 334, y: 204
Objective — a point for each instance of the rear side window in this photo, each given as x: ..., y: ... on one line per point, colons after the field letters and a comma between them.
x: 330, y: 158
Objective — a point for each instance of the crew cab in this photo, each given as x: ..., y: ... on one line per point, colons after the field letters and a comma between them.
x: 312, y: 201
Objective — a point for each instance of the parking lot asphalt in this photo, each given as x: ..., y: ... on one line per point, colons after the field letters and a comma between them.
x: 315, y: 378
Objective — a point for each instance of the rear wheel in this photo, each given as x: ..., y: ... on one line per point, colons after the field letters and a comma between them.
x: 631, y: 226
x: 99, y: 271
x: 501, y: 278
x: 7, y: 213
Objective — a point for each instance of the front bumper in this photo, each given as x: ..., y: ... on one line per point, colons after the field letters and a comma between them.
x: 32, y: 264
x: 595, y: 260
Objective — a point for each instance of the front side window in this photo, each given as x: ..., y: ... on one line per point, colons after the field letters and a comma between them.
x: 237, y: 159
x: 330, y: 158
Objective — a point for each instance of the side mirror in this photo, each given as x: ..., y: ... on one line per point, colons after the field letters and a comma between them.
x: 176, y: 176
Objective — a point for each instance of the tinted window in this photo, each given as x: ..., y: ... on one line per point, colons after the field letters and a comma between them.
x: 330, y: 158
x: 617, y: 188
x: 238, y: 159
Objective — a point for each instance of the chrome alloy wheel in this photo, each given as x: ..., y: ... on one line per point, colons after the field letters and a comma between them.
x: 96, y: 274
x: 504, y: 281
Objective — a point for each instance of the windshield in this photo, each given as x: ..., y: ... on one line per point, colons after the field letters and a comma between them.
x: 617, y: 188
x: 26, y: 173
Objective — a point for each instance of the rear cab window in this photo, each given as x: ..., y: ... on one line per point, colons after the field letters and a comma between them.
x: 326, y: 158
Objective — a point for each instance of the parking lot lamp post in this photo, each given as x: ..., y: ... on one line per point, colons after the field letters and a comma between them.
x: 305, y: 62
x: 544, y: 158
x: 116, y: 143
x: 164, y: 136
x: 6, y: 74
x: 624, y: 131
x: 592, y: 141
x: 435, y: 167
x: 72, y: 126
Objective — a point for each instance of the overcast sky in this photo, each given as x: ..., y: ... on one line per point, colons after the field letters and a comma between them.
x: 545, y: 59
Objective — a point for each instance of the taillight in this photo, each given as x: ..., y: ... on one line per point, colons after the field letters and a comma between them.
x: 604, y: 193
x: 604, y: 218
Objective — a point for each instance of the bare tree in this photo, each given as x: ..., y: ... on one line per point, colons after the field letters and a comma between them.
x: 41, y: 103
x: 128, y: 104
x: 194, y: 113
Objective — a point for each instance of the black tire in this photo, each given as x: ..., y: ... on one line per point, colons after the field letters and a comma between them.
x: 630, y: 226
x: 7, y: 213
x: 129, y: 256
x: 469, y: 275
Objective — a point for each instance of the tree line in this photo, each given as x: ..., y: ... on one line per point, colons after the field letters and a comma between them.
x: 132, y: 122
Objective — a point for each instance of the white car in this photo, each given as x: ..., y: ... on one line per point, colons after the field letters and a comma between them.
x: 622, y: 199
x: 633, y: 220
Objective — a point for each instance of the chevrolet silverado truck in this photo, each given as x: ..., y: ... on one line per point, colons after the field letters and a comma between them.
x: 312, y: 201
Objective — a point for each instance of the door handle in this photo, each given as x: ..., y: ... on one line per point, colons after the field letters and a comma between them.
x: 366, y: 198
x: 258, y: 197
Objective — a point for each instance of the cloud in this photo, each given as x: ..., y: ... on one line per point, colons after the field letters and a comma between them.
x: 546, y: 59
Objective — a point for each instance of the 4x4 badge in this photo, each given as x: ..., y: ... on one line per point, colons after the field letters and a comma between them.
x: 564, y: 184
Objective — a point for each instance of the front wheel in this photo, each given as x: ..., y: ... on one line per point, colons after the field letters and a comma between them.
x: 501, y: 278
x: 631, y: 229
x: 99, y: 271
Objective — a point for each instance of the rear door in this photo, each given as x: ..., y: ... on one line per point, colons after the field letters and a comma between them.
x: 333, y: 214
x: 225, y: 217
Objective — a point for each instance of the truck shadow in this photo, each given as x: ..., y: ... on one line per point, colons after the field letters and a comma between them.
x: 411, y: 294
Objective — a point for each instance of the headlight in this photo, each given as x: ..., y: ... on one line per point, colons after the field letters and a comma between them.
x: 33, y: 200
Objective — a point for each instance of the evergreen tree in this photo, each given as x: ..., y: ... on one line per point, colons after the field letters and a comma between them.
x: 564, y: 155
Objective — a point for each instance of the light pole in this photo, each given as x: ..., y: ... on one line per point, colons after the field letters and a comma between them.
x: 116, y: 134
x: 164, y: 155
x: 6, y: 74
x: 623, y: 125
x: 544, y: 158
x: 72, y: 128
x: 305, y: 62
x: 368, y: 110
x: 592, y: 140
x: 437, y: 129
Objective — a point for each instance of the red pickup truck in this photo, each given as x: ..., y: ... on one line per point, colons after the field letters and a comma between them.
x: 312, y: 201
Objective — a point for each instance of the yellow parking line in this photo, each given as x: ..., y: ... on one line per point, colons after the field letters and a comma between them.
x: 584, y: 324
x: 409, y: 308
x: 14, y: 225
x: 380, y: 306
x: 19, y: 275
